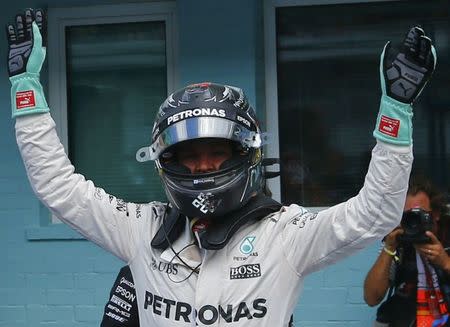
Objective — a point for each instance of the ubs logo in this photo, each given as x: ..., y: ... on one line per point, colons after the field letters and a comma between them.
x: 168, y: 268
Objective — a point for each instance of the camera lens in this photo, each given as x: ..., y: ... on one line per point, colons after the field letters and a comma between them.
x: 415, y: 223
x: 410, y: 221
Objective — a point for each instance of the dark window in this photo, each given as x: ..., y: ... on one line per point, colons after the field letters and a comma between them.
x: 116, y: 80
x: 329, y: 93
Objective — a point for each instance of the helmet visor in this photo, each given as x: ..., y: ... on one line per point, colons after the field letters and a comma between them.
x: 200, y: 127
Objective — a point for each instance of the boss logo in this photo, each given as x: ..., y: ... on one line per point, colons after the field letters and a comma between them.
x: 168, y: 268
x: 245, y: 271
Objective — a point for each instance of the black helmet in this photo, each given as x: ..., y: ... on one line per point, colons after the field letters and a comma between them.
x: 207, y: 110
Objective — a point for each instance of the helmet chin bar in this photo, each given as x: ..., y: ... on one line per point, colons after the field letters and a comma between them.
x: 213, y: 194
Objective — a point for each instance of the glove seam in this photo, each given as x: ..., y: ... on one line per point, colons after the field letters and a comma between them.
x: 26, y: 77
x: 30, y: 112
x: 397, y: 104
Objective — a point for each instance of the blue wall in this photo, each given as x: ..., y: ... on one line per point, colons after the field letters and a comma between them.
x: 50, y: 277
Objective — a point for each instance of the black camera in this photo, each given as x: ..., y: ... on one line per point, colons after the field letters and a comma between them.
x: 415, y: 222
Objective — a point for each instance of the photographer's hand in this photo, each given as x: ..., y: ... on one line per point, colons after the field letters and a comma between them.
x: 434, y: 252
x: 377, y: 283
x: 391, y: 239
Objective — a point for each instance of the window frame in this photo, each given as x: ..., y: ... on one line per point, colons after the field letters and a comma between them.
x: 60, y: 18
x: 271, y: 82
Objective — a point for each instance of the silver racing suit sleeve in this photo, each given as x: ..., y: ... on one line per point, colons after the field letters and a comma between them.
x: 315, y: 240
x: 109, y: 222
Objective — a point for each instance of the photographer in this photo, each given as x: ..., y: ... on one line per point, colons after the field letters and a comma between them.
x: 414, y: 264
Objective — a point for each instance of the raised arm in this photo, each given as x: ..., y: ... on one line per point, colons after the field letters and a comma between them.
x: 102, y: 218
x: 339, y: 231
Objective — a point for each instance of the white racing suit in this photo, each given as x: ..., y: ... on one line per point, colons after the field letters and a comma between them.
x: 256, y: 279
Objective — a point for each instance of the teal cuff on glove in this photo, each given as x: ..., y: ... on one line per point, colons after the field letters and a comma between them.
x: 27, y: 95
x: 394, y: 122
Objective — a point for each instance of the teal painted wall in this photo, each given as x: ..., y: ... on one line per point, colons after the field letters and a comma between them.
x: 65, y: 282
x: 217, y: 43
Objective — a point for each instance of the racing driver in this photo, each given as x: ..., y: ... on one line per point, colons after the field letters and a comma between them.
x: 236, y: 257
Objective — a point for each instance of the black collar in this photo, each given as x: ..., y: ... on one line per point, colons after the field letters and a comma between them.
x: 217, y: 235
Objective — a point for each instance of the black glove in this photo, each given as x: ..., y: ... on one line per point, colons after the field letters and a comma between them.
x: 20, y: 39
x: 408, y: 69
x: 26, y: 53
x: 404, y: 73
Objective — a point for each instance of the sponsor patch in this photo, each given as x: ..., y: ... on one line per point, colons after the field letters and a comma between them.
x: 243, y: 120
x: 251, y: 255
x: 138, y: 210
x: 203, y: 181
x: 300, y: 220
x: 98, y: 194
x: 115, y: 317
x: 195, y: 113
x: 206, y: 202
x: 208, y: 314
x: 118, y: 311
x: 389, y: 126
x: 121, y: 303
x: 246, y: 246
x: 168, y: 268
x: 245, y: 271
x: 122, y: 206
x: 25, y: 99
